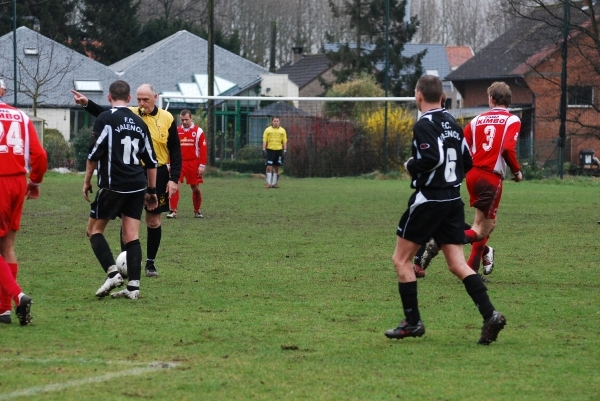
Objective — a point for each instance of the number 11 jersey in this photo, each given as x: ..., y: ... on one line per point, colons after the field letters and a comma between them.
x: 120, y: 144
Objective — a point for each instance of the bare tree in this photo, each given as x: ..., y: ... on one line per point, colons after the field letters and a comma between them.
x: 41, y: 72
x: 188, y: 10
x: 459, y: 22
x: 583, y: 45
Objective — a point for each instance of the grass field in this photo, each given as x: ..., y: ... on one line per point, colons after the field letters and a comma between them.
x: 285, y: 294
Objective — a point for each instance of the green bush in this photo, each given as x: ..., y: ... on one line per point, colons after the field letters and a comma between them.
x: 531, y: 170
x: 80, y: 143
x: 247, y: 153
x: 59, y: 151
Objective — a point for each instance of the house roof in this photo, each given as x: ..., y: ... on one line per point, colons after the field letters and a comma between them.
x: 169, y: 65
x: 435, y: 60
x: 521, y: 47
x: 174, y: 60
x: 306, y: 70
x: 458, y: 55
x: 61, y: 66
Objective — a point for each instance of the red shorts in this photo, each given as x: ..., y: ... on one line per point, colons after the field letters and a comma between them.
x: 485, y: 190
x: 189, y: 170
x: 13, y: 189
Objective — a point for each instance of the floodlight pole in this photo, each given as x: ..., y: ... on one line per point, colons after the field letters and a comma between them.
x: 387, y: 68
x: 563, y: 93
x: 211, y: 82
x: 15, y: 51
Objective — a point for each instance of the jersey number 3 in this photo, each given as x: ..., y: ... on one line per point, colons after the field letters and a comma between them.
x: 13, y: 138
x: 490, y: 133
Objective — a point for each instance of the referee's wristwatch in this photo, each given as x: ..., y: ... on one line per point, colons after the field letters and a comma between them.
x: 151, y: 190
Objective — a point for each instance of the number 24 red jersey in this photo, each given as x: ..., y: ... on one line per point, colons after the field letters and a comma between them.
x: 20, y: 149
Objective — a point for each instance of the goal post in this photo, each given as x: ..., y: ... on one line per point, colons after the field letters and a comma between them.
x: 327, y: 136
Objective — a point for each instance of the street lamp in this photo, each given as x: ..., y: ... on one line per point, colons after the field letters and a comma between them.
x: 36, y: 27
x: 15, y: 51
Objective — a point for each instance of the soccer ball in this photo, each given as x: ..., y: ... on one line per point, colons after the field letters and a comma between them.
x: 122, y: 263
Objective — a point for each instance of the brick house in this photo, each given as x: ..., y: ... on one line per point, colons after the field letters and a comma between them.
x: 528, y: 58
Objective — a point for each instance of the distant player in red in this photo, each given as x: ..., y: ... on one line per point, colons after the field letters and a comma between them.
x: 193, y: 155
x: 20, y: 153
x: 492, y: 138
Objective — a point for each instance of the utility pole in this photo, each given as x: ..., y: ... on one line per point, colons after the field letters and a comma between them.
x: 563, y: 93
x: 15, y: 50
x: 211, y: 81
x: 272, y: 63
x: 387, y: 73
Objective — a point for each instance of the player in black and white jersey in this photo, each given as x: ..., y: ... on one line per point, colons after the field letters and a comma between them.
x: 121, y: 142
x: 439, y: 162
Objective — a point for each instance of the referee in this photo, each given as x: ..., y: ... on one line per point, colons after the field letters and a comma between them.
x: 165, y: 141
x: 121, y: 142
x: 274, y: 150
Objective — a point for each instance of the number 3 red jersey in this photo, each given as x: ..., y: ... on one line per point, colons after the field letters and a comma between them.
x: 492, y: 138
x: 20, y: 149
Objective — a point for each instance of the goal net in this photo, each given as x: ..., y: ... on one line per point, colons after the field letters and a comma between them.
x: 327, y: 137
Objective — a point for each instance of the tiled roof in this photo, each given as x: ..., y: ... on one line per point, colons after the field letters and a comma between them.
x: 458, y: 55
x: 63, y: 64
x: 435, y: 59
x: 166, y: 64
x: 520, y: 48
x: 177, y: 58
x: 305, y: 70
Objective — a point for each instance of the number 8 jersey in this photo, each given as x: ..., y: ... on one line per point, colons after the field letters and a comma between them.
x: 20, y: 149
x: 440, y: 155
x: 492, y: 138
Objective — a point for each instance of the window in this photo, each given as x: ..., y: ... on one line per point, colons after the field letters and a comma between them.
x: 88, y: 86
x: 580, y: 96
x: 31, y: 51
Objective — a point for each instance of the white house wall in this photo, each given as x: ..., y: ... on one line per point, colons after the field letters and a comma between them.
x: 56, y: 118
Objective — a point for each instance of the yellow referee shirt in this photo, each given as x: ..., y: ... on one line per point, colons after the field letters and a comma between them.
x: 274, y: 138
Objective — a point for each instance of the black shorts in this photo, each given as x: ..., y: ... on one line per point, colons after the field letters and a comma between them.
x: 162, y: 179
x: 434, y: 213
x: 274, y: 157
x: 109, y: 205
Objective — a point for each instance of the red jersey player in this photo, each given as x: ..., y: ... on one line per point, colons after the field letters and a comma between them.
x: 20, y: 153
x: 193, y: 156
x: 492, y: 138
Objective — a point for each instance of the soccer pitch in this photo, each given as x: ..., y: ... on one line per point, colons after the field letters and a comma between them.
x: 285, y: 294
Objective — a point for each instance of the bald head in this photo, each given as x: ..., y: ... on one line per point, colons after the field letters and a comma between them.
x: 146, y: 98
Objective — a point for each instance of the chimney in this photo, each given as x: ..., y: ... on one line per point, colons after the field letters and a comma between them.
x: 296, y: 54
x: 272, y: 66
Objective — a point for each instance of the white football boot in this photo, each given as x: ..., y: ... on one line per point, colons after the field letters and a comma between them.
x: 135, y: 294
x: 109, y: 284
x: 488, y: 261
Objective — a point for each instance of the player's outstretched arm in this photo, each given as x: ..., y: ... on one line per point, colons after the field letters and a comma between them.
x: 79, y: 98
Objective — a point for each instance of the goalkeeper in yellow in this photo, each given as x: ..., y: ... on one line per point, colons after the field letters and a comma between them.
x: 274, y: 150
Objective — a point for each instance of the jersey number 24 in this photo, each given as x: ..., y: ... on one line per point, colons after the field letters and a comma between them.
x: 13, y: 138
